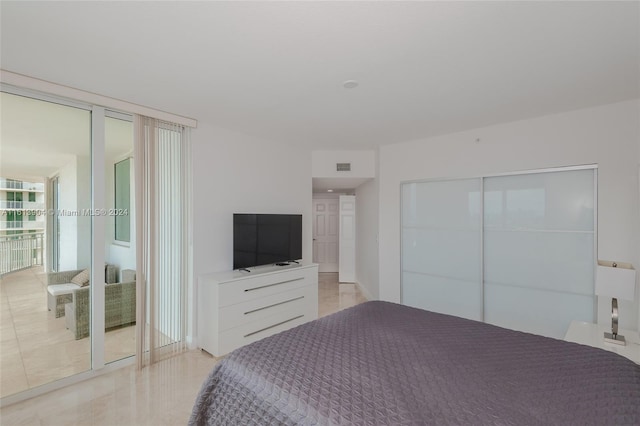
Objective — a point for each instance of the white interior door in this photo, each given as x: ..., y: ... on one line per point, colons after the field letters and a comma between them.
x: 325, y: 234
x: 347, y: 239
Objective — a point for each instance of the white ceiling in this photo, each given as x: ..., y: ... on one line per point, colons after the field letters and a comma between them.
x: 275, y: 69
x: 38, y: 138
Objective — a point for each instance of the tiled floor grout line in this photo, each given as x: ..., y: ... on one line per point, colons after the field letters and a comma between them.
x: 15, y: 333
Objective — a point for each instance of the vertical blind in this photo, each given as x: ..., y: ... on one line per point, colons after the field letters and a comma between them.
x: 516, y: 251
x: 163, y: 193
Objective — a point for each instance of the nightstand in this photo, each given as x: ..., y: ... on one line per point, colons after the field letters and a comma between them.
x: 590, y: 334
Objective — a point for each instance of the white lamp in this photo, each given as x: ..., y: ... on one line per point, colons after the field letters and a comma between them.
x: 616, y: 280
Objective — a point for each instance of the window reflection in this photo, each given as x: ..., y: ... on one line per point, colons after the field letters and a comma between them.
x: 526, y: 207
x: 515, y: 208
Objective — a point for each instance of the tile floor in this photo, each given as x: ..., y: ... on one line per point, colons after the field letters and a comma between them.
x: 37, y: 348
x: 162, y: 394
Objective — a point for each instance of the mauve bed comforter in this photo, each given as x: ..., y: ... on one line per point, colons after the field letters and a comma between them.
x: 381, y: 363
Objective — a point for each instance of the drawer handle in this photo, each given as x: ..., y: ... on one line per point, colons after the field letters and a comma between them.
x: 275, y: 304
x: 272, y: 326
x: 271, y: 285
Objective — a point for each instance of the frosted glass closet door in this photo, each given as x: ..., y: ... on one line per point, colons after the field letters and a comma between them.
x: 441, y: 224
x: 539, y: 250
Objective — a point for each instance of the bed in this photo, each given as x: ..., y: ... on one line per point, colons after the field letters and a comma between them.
x: 381, y: 363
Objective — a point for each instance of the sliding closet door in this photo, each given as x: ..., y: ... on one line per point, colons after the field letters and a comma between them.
x: 539, y: 232
x: 441, y: 247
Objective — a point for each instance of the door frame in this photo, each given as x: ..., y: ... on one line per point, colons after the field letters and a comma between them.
x: 54, y: 234
x: 327, y: 196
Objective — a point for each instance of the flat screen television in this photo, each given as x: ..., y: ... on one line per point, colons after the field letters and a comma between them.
x: 263, y: 239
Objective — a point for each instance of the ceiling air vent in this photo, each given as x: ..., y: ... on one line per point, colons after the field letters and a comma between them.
x: 343, y: 167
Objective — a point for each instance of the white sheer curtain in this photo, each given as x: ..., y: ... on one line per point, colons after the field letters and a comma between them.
x: 164, y: 267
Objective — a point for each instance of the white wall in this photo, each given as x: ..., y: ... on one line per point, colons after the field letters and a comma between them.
x: 235, y: 173
x: 607, y: 135
x: 83, y: 177
x: 68, y: 224
x: 362, y: 164
x: 367, y: 238
x: 637, y: 265
x: 75, y: 231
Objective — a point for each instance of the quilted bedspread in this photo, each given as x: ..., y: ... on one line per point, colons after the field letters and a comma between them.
x: 380, y: 363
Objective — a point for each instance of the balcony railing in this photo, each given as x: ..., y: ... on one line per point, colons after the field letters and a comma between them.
x: 21, y: 185
x: 21, y: 251
x: 24, y: 224
x: 21, y: 205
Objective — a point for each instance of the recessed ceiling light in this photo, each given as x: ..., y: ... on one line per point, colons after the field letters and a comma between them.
x: 350, y: 84
x: 329, y: 190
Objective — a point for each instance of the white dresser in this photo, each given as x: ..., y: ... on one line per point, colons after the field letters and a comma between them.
x: 236, y: 307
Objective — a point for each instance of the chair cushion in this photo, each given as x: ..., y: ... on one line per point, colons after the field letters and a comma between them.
x: 82, y: 279
x: 58, y: 289
x: 128, y: 275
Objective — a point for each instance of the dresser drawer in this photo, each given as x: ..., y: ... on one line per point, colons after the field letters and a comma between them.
x: 256, y: 330
x: 254, y: 310
x: 236, y: 308
x: 250, y: 288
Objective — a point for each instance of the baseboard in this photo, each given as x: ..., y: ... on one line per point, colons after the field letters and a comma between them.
x: 364, y: 291
x: 192, y: 343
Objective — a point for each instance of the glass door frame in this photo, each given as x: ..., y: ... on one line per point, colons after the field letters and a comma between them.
x: 98, y: 225
x: 54, y: 234
x: 98, y: 238
x: 44, y: 90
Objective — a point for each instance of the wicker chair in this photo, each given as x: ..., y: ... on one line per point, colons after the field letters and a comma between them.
x: 60, y: 289
x: 119, y: 308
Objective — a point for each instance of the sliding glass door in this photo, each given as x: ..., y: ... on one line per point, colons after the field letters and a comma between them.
x: 516, y: 251
x: 70, y: 303
x: 45, y: 185
x: 68, y: 179
x: 119, y: 238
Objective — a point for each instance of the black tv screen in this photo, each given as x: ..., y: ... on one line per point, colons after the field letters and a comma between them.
x: 262, y: 239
